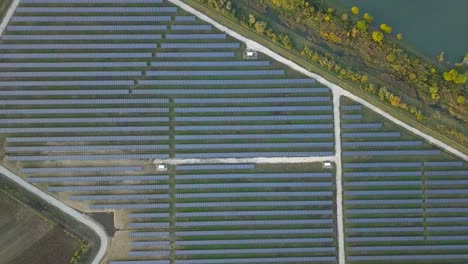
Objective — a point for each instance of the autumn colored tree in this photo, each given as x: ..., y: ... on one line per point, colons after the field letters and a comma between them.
x: 377, y: 36
x: 252, y: 20
x: 368, y: 18
x: 455, y: 76
x: 386, y: 28
x: 399, y: 36
x: 355, y: 10
x: 362, y: 26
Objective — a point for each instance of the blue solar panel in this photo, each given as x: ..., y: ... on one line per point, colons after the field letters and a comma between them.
x: 254, y: 127
x: 254, y: 241
x: 84, y: 101
x: 253, y: 136
x: 149, y: 215
x: 371, y: 135
x: 231, y: 91
x: 83, y: 37
x: 447, y: 182
x: 447, y: 173
x: 216, y: 73
x: 84, y: 120
x: 447, y: 191
x: 83, y: 111
x: 191, y: 27
x: 141, y: 262
x: 73, y: 56
x: 85, y: 148
x: 200, y: 45
x: 250, y: 100
x: 251, y: 251
x: 383, y: 183
x: 90, y: 18
x: 152, y: 224
x: 384, y: 192
x: 255, y: 145
x: 226, y: 82
x: 253, y: 232
x: 447, y: 201
x: 446, y: 219
x: 89, y: 157
x: 81, y: 169
x: 99, y: 178
x: 118, y: 197
x: 82, y: 129
x: 130, y: 206
x: 392, y: 153
x: 66, y: 83
x: 259, y: 260
x: 384, y: 220
x: 385, y: 238
x: 92, y: 1
x: 210, y: 63
x: 128, y: 46
x: 362, y: 126
x: 444, y: 164
x: 149, y: 234
x: 84, y: 138
x: 255, y: 213
x: 253, y: 109
x: 71, y: 74
x: 195, y: 36
x: 254, y: 185
x: 351, y: 107
x: 383, y: 202
x: 383, y: 165
x: 64, y: 92
x: 251, y: 118
x: 385, y: 211
x: 150, y: 243
x: 399, y: 229
x: 252, y: 194
x: 149, y: 253
x: 195, y: 55
x: 216, y: 167
x: 257, y: 204
x: 96, y: 9
x: 82, y: 188
x: 428, y: 257
x: 447, y: 238
x: 382, y: 144
x: 383, y: 174
x: 254, y: 154
x: 253, y: 176
x: 351, y: 117
x: 86, y: 28
x: 255, y: 222
x: 72, y: 65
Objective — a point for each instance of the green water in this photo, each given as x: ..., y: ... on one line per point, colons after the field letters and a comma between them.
x: 431, y: 26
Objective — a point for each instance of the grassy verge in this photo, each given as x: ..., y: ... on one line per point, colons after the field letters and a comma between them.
x: 4, y: 5
x: 332, y: 77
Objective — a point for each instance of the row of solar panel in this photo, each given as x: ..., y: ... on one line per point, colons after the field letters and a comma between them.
x: 226, y: 82
x: 130, y: 206
x: 73, y: 64
x: 382, y: 144
x: 236, y: 251
x: 250, y: 100
x: 83, y: 37
x: 84, y: 101
x: 66, y: 83
x: 74, y: 55
x: 84, y: 120
x: 252, y: 109
x: 251, y: 118
x: 254, y: 185
x: 254, y: 213
x: 251, y: 194
x: 127, y: 46
x: 99, y: 178
x: 421, y: 152
x: 230, y: 91
x: 254, y: 127
x: 383, y: 174
x: 93, y: 18
x: 246, y: 63
x: 88, y: 157
x: 81, y: 169
x: 254, y: 154
x: 83, y: 111
x: 83, y: 129
x: 215, y: 73
x: 323, y: 259
x: 252, y: 176
x: 89, y: 10
x: 362, y: 126
x: 71, y: 74
x: 86, y: 138
x: 120, y: 197
x: 406, y: 165
x: 50, y: 28
x: 215, y: 167
x: 234, y: 232
x: 233, y: 242
x: 92, y: 1
x: 253, y: 136
x: 107, y: 188
x: 255, y: 145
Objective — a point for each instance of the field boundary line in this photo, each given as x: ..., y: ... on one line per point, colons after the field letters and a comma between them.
x: 8, y: 15
x: 82, y: 218
x: 334, y: 87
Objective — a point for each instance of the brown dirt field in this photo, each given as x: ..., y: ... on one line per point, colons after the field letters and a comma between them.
x: 55, y: 247
x: 27, y: 237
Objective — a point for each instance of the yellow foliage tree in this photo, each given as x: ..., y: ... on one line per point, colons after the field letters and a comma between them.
x: 386, y: 28
x: 399, y: 36
x: 355, y: 10
x: 368, y: 18
x: 377, y: 36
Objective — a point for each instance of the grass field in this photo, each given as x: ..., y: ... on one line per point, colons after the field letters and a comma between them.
x: 4, y: 5
x: 28, y: 237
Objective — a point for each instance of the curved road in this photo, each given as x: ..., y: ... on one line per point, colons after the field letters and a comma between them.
x: 66, y: 209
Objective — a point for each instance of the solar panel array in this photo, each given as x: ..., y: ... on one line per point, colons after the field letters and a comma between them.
x: 403, y: 198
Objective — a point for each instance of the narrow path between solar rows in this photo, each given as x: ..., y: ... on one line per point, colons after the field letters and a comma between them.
x: 8, y: 15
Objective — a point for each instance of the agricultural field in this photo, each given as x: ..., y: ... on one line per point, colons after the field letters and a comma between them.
x: 28, y: 237
x: 404, y: 199
x: 95, y: 93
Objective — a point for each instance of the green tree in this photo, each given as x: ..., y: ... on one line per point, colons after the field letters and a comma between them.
x: 355, y: 10
x: 434, y: 91
x: 362, y: 26
x: 461, y: 99
x: 386, y: 28
x: 368, y: 18
x: 377, y: 36
x: 260, y: 27
x: 252, y: 20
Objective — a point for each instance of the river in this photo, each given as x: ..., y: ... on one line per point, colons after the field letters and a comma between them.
x: 431, y: 26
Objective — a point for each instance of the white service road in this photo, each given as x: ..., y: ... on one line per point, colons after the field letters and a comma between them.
x: 8, y: 15
x: 82, y: 218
